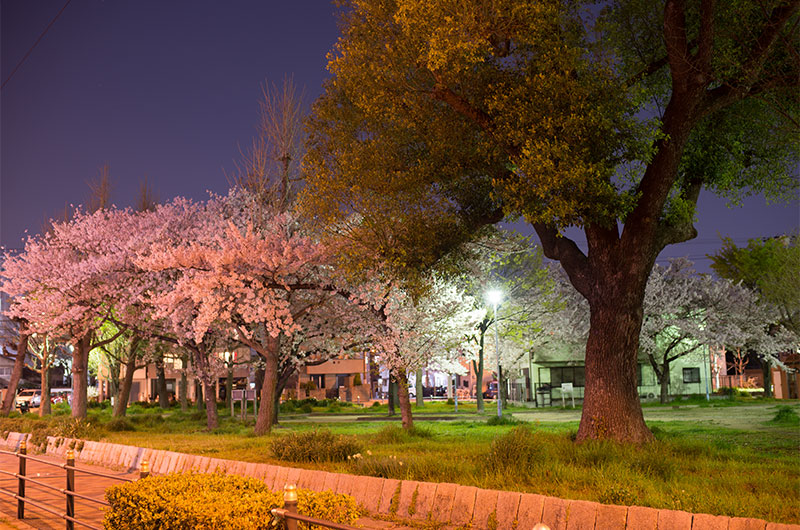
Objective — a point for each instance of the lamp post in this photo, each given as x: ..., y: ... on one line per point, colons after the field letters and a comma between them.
x: 495, y: 296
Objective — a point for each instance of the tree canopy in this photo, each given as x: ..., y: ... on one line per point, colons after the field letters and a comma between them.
x: 443, y: 117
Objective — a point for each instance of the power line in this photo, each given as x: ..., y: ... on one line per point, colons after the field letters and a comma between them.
x: 24, y: 57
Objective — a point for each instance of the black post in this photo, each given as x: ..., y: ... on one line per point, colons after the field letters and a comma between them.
x: 290, y: 504
x: 144, y: 469
x: 23, y: 449
x: 70, y: 488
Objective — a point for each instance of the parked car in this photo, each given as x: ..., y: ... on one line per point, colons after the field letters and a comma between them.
x: 26, y: 399
x: 491, y: 391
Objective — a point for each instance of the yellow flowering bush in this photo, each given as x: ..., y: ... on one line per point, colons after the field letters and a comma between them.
x: 213, y: 501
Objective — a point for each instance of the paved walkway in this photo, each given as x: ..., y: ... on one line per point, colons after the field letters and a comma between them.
x: 88, y: 485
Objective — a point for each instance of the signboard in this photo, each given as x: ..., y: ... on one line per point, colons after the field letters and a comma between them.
x: 567, y: 387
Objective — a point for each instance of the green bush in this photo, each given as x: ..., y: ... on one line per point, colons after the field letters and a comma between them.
x: 786, y: 415
x: 384, y: 466
x: 120, y: 425
x: 394, y: 434
x: 505, y: 419
x: 314, y: 446
x: 451, y: 401
x: 517, y: 450
x: 213, y: 501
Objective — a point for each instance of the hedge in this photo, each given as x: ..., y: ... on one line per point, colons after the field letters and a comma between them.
x: 213, y: 501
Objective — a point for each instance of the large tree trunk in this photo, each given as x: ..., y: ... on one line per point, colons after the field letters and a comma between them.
x: 269, y: 386
x: 611, y: 407
x: 16, y: 374
x: 405, y: 402
x: 198, y: 394
x: 124, y: 395
x: 44, y: 404
x: 80, y: 368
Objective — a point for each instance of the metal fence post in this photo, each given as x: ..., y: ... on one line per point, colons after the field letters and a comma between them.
x: 290, y: 504
x: 144, y: 469
x: 70, y: 488
x: 23, y: 449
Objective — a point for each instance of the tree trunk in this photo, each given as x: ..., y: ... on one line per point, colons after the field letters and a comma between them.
x: 663, y: 381
x: 611, y: 407
x: 479, y: 373
x: 502, y: 389
x: 198, y: 394
x: 44, y: 404
x: 16, y: 374
x: 419, y: 390
x: 269, y: 386
x: 766, y: 372
x: 212, y: 420
x: 161, y: 383
x: 405, y: 402
x: 184, y: 385
x: 229, y: 386
x: 392, y: 392
x: 80, y: 368
x: 124, y: 395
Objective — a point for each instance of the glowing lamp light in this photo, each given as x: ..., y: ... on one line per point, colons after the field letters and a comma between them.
x: 494, y: 296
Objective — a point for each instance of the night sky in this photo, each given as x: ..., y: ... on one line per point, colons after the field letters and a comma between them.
x: 168, y: 91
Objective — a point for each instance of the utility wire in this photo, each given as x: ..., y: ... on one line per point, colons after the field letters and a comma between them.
x: 24, y: 57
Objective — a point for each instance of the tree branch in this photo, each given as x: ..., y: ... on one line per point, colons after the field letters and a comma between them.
x: 565, y: 250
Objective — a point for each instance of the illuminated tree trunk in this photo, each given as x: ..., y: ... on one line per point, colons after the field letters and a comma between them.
x: 611, y: 406
x: 80, y: 368
x: 161, y: 383
x: 124, y: 395
x: 269, y: 352
x: 44, y: 404
x: 16, y: 374
x: 405, y: 401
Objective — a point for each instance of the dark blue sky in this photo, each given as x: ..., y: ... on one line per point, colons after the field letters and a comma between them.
x: 169, y: 90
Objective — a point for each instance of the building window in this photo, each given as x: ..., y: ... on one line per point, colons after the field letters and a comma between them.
x: 691, y: 375
x: 567, y: 374
x: 638, y: 375
x: 5, y: 371
x: 319, y: 380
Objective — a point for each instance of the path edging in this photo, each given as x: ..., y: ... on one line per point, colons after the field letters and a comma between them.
x: 441, y: 502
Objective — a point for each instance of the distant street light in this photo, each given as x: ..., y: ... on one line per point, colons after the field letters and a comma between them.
x: 494, y: 297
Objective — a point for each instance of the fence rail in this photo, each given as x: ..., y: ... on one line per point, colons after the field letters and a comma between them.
x: 68, y: 492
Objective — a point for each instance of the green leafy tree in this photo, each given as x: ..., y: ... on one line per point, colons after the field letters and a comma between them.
x: 443, y: 117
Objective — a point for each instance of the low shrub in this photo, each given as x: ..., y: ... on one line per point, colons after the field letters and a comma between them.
x: 120, y: 425
x: 505, y: 419
x: 394, y: 434
x: 384, y: 466
x: 517, y: 450
x: 205, y: 501
x: 451, y: 401
x: 786, y: 415
x: 314, y: 446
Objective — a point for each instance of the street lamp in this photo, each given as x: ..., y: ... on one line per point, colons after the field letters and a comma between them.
x: 494, y: 297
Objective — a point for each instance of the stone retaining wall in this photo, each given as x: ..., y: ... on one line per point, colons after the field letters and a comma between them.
x: 459, y: 506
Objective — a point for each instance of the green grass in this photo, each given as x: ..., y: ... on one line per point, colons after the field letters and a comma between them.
x: 695, y: 463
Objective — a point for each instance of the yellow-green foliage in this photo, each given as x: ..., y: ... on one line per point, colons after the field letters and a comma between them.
x: 213, y: 501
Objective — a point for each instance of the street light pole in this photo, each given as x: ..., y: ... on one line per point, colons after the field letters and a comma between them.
x: 497, y: 352
x: 494, y: 297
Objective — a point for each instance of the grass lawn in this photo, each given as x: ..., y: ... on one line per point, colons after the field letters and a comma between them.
x: 726, y: 458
